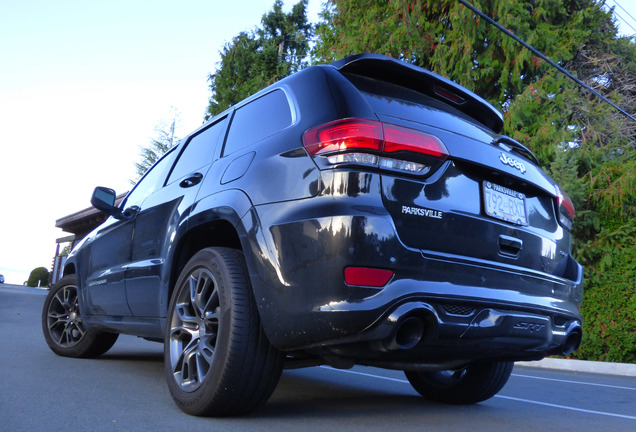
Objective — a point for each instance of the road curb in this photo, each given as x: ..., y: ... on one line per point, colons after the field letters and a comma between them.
x: 605, y: 368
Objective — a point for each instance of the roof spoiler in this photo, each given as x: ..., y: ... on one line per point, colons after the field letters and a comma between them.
x: 423, y: 81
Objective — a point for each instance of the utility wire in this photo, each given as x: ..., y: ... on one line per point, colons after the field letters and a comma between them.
x: 625, y: 10
x: 617, y: 15
x: 623, y: 19
x: 546, y: 58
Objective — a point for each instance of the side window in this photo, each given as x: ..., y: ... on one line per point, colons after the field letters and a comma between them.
x: 199, y: 151
x: 257, y: 120
x: 152, y: 180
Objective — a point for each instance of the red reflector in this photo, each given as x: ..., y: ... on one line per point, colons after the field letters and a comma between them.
x: 365, y: 276
x: 343, y: 135
x: 398, y: 138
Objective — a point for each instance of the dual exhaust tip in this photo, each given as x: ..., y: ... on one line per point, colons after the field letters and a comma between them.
x: 409, y: 332
x: 573, y: 338
x: 410, y: 324
x: 413, y: 323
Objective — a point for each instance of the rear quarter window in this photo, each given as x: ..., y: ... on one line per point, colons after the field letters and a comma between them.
x: 257, y: 120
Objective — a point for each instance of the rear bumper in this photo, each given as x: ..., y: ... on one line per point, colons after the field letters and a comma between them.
x: 297, y: 269
x: 416, y: 333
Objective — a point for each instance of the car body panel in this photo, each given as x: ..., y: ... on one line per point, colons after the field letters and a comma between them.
x: 321, y: 235
x: 105, y: 256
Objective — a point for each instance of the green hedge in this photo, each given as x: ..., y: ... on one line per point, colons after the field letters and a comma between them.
x: 38, y: 277
x: 609, y: 308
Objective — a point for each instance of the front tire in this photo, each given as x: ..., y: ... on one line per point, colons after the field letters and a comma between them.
x: 218, y: 360
x: 471, y: 384
x: 63, y: 325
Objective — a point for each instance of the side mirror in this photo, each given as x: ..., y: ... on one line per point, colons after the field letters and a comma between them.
x: 103, y: 199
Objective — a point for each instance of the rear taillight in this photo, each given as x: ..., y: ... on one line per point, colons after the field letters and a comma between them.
x: 344, y: 135
x: 565, y: 209
x: 377, y: 144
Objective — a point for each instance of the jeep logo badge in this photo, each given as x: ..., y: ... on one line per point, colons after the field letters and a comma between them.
x: 507, y: 160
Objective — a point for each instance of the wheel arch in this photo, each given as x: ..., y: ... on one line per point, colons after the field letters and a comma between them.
x: 214, y: 222
x: 219, y: 233
x: 69, y: 268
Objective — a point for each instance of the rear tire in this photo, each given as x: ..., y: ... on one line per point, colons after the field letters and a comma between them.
x: 63, y: 325
x: 218, y: 360
x: 474, y: 383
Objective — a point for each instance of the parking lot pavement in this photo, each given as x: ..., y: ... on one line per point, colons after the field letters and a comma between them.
x: 125, y: 390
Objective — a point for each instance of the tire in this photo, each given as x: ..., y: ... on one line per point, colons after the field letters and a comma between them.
x: 218, y: 361
x: 474, y: 383
x: 63, y: 327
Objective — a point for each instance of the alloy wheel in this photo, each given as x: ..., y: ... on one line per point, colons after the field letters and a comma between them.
x: 194, y: 328
x: 63, y: 318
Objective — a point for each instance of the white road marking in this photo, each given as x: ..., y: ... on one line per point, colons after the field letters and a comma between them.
x: 567, y: 407
x: 564, y: 407
x: 575, y: 382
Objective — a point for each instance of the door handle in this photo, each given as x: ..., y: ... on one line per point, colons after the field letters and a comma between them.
x: 193, y: 180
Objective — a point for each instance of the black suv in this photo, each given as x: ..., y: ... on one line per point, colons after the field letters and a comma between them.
x: 363, y: 212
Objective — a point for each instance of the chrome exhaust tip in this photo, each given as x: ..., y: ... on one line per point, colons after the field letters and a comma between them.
x: 407, y: 335
x: 572, y: 339
x: 410, y: 324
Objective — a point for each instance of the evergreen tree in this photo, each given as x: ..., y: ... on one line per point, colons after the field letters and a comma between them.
x: 446, y: 37
x: 256, y: 59
x: 163, y: 141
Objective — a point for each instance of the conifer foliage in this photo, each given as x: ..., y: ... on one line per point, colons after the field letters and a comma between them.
x: 163, y: 141
x: 256, y: 59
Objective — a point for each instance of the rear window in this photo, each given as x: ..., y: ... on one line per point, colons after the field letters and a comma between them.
x: 257, y: 120
x: 397, y: 101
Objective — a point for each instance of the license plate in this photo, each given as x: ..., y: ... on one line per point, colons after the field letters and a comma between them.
x: 505, y: 204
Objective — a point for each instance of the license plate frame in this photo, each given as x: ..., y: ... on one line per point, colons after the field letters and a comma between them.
x: 505, y: 204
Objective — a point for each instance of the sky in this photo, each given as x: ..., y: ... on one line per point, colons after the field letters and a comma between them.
x: 84, y: 83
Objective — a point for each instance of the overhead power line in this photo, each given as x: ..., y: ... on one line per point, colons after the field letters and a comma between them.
x: 619, y: 16
x: 547, y: 59
x: 625, y: 10
x: 623, y: 19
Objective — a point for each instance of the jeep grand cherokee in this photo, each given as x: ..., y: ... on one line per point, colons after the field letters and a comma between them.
x: 363, y: 212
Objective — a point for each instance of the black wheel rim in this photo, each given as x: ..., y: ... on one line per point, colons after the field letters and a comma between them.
x: 194, y: 328
x: 64, y: 321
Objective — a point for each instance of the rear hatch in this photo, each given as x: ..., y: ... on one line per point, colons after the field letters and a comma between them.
x: 483, y: 201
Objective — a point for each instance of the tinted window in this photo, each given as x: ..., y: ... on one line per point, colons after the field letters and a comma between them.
x: 397, y: 101
x: 198, y: 152
x: 152, y: 180
x: 257, y: 120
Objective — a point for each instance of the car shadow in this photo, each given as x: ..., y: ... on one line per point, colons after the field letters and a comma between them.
x: 301, y: 395
x: 311, y: 393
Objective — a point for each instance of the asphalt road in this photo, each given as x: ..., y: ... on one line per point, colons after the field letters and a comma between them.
x: 125, y: 391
